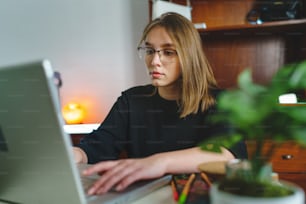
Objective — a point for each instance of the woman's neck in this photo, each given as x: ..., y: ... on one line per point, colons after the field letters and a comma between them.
x: 169, y: 92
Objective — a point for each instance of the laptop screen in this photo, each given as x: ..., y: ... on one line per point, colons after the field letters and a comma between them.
x: 36, y: 160
x: 3, y: 145
x: 35, y: 153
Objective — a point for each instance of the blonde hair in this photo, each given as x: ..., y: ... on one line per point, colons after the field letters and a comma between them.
x: 197, y: 77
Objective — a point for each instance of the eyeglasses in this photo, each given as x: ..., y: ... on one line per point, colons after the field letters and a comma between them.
x: 165, y: 55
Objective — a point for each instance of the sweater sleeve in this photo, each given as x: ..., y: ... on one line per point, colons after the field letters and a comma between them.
x: 108, y: 141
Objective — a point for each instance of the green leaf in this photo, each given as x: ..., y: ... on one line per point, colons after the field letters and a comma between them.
x: 297, y: 80
x: 214, y: 144
x: 299, y: 135
x: 246, y: 84
x: 253, y: 113
x: 297, y: 113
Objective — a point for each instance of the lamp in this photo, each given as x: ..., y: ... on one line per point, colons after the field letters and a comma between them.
x: 73, y: 113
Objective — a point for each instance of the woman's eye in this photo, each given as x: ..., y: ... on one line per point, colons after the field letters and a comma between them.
x: 169, y: 53
x: 150, y: 51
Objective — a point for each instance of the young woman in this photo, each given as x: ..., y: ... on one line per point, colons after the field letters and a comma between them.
x: 160, y: 125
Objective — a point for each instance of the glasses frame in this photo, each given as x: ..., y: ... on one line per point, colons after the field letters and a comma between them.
x: 164, y: 58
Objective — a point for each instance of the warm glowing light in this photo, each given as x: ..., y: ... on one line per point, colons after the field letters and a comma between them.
x: 73, y: 113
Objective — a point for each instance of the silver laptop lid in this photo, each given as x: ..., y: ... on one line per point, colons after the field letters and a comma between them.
x: 35, y: 154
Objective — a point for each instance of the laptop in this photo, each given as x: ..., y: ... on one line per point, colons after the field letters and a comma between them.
x: 36, y: 159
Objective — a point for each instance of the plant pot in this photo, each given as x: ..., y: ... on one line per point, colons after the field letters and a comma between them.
x: 244, y: 184
x: 220, y: 197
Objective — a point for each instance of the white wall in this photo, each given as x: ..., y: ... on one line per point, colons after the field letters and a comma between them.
x: 91, y: 42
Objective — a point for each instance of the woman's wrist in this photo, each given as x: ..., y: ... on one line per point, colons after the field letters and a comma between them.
x: 164, y: 162
x: 170, y: 162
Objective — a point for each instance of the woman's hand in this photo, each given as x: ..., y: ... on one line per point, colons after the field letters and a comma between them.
x: 121, y: 173
x: 79, y: 155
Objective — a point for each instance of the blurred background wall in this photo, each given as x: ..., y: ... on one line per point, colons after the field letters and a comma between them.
x: 92, y: 43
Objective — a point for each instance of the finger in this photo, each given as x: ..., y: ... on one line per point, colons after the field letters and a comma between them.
x: 99, y: 167
x: 131, y: 177
x: 116, y: 175
x: 143, y: 172
x: 110, y: 178
x: 126, y: 177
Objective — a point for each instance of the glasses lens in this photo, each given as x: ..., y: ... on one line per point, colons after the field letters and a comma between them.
x: 141, y: 52
x: 165, y: 56
x: 168, y: 55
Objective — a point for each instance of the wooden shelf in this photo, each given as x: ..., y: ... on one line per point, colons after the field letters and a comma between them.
x: 264, y: 48
x: 275, y: 27
x: 231, y: 44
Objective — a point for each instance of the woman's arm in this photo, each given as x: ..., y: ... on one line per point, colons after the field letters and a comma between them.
x: 188, y: 160
x: 122, y: 173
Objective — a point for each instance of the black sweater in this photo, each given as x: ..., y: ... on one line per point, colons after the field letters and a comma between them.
x: 142, y: 124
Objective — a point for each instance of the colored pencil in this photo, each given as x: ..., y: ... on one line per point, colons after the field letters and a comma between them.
x: 174, y: 190
x: 184, y: 194
x: 206, y: 179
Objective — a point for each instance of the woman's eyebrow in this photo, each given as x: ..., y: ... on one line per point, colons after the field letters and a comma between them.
x: 163, y: 45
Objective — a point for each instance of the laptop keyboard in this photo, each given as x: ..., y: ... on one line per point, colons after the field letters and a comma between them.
x: 87, y: 182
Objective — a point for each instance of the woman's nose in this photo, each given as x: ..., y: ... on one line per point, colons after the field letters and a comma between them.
x: 156, y: 59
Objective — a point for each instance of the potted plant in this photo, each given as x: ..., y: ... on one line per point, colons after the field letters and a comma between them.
x: 252, y: 112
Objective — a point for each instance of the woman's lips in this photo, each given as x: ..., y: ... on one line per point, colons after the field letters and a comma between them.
x: 155, y: 74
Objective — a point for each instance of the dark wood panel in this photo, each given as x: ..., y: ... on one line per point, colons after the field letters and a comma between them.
x: 219, y: 12
x: 231, y: 54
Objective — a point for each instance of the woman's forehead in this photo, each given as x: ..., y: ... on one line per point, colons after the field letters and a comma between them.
x: 158, y: 36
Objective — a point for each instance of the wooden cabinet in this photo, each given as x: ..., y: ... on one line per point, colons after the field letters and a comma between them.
x: 288, y: 160
x: 232, y: 44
